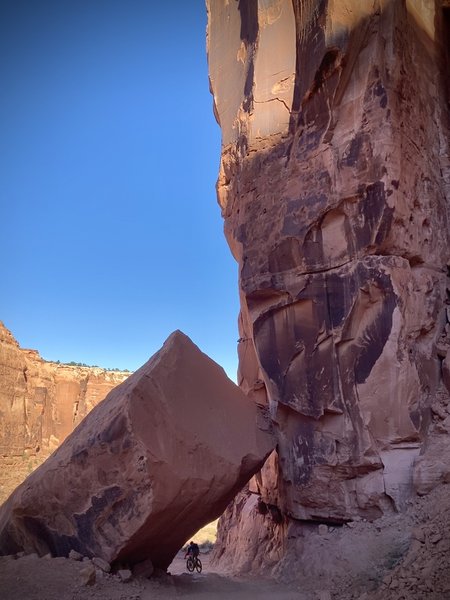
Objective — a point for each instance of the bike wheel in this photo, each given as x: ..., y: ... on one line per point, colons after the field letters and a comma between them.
x: 198, y: 565
x: 190, y: 564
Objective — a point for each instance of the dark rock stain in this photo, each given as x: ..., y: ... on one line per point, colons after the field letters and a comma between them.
x: 115, y: 430
x: 354, y: 150
x: 365, y: 351
x: 85, y: 522
x: 326, y: 68
x: 275, y: 513
x: 309, y: 53
x: 58, y: 545
x: 262, y: 507
x: 380, y: 91
x: 248, y: 87
x: 286, y: 255
x: 248, y: 10
x: 377, y: 216
x: 303, y: 447
x: 80, y: 457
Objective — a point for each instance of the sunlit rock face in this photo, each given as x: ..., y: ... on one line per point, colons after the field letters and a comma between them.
x: 335, y: 186
x: 41, y: 401
x: 159, y: 458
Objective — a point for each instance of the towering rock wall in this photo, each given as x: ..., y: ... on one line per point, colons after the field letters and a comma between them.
x: 41, y: 403
x: 335, y: 189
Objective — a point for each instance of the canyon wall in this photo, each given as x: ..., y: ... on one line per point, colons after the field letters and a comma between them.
x: 41, y: 402
x: 334, y: 186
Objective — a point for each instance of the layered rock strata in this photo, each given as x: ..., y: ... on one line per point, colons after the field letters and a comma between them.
x: 41, y: 402
x: 335, y: 189
x: 160, y: 457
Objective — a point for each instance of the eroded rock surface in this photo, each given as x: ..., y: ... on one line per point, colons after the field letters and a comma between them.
x: 335, y: 189
x: 160, y: 457
x: 41, y: 402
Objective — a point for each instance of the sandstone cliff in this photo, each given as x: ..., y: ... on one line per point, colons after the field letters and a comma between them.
x: 335, y: 189
x: 41, y: 402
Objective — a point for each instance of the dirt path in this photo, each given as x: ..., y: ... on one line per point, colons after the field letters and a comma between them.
x: 213, y: 584
x: 401, y: 556
x: 33, y: 578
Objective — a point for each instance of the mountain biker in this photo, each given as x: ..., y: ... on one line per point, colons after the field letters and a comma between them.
x: 192, y: 550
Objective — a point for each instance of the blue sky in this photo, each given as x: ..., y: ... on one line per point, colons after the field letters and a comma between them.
x: 110, y: 233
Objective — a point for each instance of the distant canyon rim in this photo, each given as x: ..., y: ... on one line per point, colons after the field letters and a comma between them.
x: 41, y: 402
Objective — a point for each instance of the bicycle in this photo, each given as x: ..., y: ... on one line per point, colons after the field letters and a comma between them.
x: 193, y: 563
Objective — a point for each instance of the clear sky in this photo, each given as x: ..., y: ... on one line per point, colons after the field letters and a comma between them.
x: 110, y: 232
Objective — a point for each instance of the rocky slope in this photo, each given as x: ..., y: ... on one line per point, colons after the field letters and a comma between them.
x: 335, y: 189
x: 40, y: 404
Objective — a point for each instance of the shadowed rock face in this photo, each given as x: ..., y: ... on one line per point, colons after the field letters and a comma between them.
x: 335, y: 188
x: 160, y: 457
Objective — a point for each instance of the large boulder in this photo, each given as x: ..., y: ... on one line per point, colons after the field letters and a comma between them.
x: 160, y: 457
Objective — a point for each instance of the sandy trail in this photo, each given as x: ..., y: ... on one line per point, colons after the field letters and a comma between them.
x: 212, y: 584
x: 403, y: 555
x: 33, y: 578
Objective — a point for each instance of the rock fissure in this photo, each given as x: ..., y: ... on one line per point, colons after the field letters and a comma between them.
x: 272, y: 100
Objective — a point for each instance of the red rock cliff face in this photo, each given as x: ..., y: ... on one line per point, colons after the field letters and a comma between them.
x: 335, y: 188
x: 41, y: 402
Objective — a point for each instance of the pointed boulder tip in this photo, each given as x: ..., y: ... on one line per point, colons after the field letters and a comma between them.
x: 178, y: 339
x: 178, y: 335
x: 182, y: 344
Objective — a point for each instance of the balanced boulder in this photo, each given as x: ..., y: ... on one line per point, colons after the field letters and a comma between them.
x: 160, y: 457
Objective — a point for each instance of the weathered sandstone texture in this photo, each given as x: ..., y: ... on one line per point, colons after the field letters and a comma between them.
x: 41, y: 402
x: 335, y: 189
x: 160, y: 457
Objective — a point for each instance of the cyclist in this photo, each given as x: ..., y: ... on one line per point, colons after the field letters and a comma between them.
x: 192, y: 550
